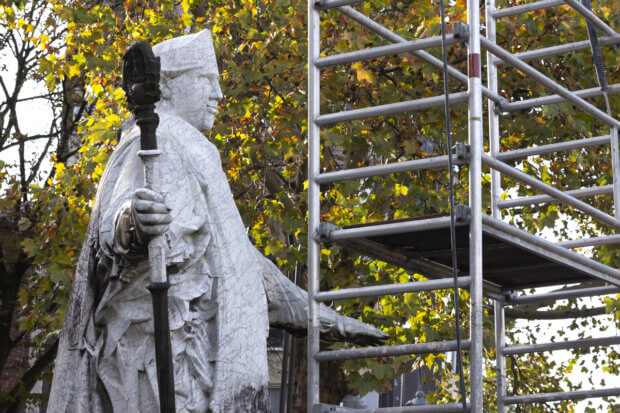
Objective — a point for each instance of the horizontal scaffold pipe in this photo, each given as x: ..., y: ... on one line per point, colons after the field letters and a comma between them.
x: 551, y: 99
x: 389, y: 229
x: 543, y: 199
x: 547, y: 82
x: 593, y: 18
x: 381, y: 51
x: 429, y: 408
x: 390, y: 289
x: 569, y: 395
x: 546, y: 248
x: 553, y: 147
x: 332, y: 4
x: 526, y: 8
x: 549, y: 190
x: 563, y: 295
x: 387, y: 351
x: 564, y: 48
x: 420, y: 54
x: 561, y: 345
x: 389, y: 109
x: 589, y: 242
x: 385, y: 169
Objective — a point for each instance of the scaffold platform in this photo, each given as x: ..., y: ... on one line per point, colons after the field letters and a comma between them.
x: 512, y: 258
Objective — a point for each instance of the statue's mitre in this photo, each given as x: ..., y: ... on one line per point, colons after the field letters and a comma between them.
x: 186, y: 52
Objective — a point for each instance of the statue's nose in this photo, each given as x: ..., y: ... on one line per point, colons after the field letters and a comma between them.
x: 217, y: 91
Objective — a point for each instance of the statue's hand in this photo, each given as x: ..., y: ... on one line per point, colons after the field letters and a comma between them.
x: 359, y: 333
x: 150, y: 214
x: 335, y: 327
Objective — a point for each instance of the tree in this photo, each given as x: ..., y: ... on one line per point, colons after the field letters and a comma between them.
x: 260, y: 131
x: 30, y: 281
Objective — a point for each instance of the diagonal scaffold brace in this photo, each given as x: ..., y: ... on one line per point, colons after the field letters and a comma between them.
x: 141, y: 70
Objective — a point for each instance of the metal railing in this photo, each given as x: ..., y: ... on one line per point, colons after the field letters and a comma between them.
x: 495, y: 159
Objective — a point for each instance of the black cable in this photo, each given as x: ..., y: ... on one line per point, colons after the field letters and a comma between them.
x: 459, y: 354
x: 597, y: 56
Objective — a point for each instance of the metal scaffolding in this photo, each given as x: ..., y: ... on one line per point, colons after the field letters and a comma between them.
x: 476, y: 224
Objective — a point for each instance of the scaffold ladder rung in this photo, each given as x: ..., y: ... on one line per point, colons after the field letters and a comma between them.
x: 385, y: 169
x: 560, y: 345
x: 433, y: 408
x: 332, y: 4
x: 389, y: 50
x: 387, y: 229
x: 389, y: 109
x: 589, y: 242
x: 552, y: 99
x: 543, y: 199
x: 389, y: 289
x: 561, y: 295
x: 387, y: 351
x: 565, y: 48
x: 553, y: 147
x: 526, y: 8
x: 559, y: 396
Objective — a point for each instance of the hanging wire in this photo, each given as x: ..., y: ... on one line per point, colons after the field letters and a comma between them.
x: 597, y: 57
x: 459, y: 354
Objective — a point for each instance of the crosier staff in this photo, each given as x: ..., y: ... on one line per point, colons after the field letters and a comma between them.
x: 141, y: 85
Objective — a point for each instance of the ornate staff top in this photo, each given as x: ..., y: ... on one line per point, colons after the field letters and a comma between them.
x: 141, y: 85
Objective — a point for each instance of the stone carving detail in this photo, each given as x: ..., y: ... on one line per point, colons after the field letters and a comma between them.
x: 223, y: 293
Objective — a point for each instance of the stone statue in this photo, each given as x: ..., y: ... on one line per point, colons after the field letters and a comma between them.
x: 224, y: 294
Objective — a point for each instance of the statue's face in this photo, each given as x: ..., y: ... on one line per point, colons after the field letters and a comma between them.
x: 195, y: 94
x: 192, y: 94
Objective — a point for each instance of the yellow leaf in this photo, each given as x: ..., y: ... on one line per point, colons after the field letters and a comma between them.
x: 112, y: 118
x: 74, y: 70
x: 363, y: 74
x: 187, y: 19
x: 43, y: 41
x: 60, y: 169
x: 97, y: 89
x: 119, y: 94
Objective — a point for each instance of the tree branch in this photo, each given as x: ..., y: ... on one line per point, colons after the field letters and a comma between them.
x: 29, y: 378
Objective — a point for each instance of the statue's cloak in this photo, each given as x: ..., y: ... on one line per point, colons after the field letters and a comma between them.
x: 213, y: 269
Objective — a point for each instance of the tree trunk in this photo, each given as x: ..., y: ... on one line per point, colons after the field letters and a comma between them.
x: 333, y: 387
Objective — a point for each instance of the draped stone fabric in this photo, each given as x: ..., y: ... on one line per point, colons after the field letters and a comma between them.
x: 217, y: 302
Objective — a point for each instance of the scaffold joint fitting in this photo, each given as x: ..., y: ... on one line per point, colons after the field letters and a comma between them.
x: 460, y: 30
x: 324, y: 231
x: 462, y: 152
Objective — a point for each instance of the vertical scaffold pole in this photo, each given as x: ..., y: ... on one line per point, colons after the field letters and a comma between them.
x: 496, y: 191
x: 314, y: 207
x: 615, y: 165
x: 500, y: 361
x: 494, y: 134
x: 475, y: 202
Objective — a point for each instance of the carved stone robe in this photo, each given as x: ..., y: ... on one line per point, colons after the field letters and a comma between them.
x: 217, y: 300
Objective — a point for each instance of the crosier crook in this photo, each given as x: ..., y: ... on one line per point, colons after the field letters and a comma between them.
x: 141, y: 71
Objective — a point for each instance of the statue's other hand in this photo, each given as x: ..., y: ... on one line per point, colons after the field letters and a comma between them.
x: 335, y: 327
x: 150, y: 213
x: 362, y: 334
